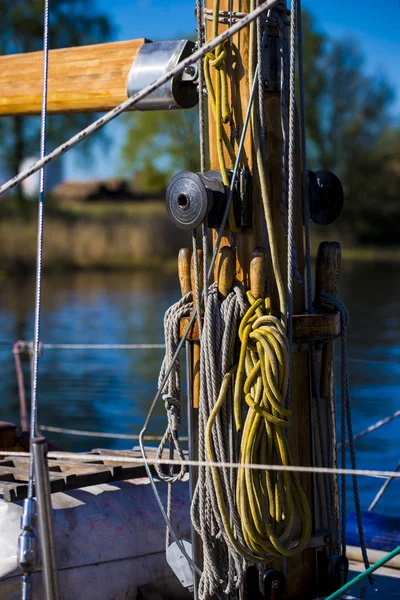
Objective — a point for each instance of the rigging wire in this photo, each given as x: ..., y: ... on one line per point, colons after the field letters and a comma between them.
x: 372, y: 428
x: 91, y: 457
x: 102, y: 434
x: 39, y: 255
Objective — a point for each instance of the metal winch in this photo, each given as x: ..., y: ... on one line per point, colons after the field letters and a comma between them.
x: 190, y: 197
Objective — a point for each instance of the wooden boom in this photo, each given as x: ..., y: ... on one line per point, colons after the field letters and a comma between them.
x: 82, y: 79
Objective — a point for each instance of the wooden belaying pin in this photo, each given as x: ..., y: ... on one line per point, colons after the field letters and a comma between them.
x: 226, y: 271
x: 258, y: 271
x: 184, y: 258
x: 196, y: 345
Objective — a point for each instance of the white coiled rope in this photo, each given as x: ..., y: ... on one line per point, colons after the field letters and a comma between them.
x: 223, y: 566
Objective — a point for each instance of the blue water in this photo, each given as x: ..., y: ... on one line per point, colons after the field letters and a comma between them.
x: 110, y: 390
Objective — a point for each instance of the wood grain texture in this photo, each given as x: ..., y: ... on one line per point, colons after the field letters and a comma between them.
x: 300, y: 570
x: 327, y: 273
x: 184, y: 258
x: 317, y: 327
x: 81, y: 79
x: 236, y: 66
x: 226, y: 269
x: 258, y: 269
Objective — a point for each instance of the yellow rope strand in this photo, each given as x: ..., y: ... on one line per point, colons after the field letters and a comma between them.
x: 266, y: 502
x: 219, y: 100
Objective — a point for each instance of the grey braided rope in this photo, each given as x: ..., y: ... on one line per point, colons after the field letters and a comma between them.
x: 291, y: 255
x: 291, y: 168
x: 223, y: 567
x: 172, y: 388
x: 346, y: 417
x: 280, y: 22
x: 172, y: 399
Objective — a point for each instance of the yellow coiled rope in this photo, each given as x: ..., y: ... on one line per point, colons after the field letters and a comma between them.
x: 266, y: 501
x: 219, y: 100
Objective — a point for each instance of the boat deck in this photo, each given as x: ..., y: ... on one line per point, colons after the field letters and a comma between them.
x: 67, y: 474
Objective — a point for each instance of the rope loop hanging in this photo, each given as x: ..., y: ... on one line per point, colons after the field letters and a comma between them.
x: 172, y: 389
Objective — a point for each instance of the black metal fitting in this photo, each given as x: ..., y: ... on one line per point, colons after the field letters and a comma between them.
x: 340, y: 565
x: 325, y: 194
x: 190, y: 197
x: 268, y: 584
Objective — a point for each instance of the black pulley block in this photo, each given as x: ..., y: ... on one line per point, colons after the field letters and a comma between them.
x: 192, y: 196
x: 272, y: 583
x: 340, y: 570
x: 326, y: 197
x: 187, y: 199
x: 260, y: 585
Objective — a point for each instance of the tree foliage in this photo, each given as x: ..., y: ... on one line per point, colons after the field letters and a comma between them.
x: 72, y: 23
x: 349, y: 131
x: 159, y: 144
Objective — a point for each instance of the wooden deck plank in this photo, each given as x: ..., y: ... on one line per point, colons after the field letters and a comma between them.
x: 67, y: 474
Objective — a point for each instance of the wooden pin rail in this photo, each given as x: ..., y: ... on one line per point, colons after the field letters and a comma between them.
x: 318, y: 327
x: 81, y: 79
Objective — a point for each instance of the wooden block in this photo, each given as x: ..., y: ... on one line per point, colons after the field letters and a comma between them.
x: 306, y: 327
x: 316, y: 327
x: 13, y: 491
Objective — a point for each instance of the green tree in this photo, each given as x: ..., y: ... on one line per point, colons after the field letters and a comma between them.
x: 350, y: 131
x: 72, y: 23
x: 158, y: 145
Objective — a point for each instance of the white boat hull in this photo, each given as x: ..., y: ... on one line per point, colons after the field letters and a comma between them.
x: 110, y: 541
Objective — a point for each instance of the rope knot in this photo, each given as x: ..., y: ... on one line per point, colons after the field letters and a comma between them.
x: 170, y: 402
x: 172, y: 406
x: 217, y: 57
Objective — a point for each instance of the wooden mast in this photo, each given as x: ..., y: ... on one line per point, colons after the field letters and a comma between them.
x: 300, y: 571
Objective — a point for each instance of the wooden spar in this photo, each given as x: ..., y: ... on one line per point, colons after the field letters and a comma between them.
x: 81, y: 79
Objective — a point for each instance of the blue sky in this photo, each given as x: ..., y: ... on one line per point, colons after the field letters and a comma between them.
x: 374, y: 26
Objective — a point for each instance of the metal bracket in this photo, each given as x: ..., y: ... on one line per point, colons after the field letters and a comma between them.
x: 265, y: 584
x: 155, y: 59
x: 241, y: 199
x: 271, y: 63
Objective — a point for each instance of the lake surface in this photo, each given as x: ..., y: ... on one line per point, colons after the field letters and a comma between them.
x: 111, y: 390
